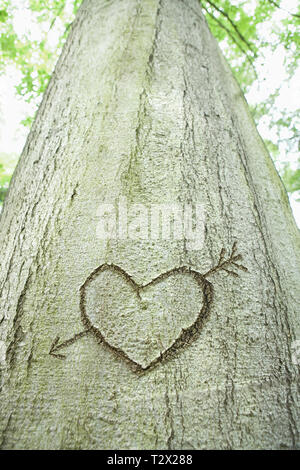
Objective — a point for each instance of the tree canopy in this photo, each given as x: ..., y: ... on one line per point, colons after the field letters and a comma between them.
x: 247, y: 31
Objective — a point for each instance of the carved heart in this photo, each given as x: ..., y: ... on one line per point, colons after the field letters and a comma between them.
x: 145, y: 323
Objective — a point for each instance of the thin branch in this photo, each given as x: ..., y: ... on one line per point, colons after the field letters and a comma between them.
x: 233, y: 39
x: 284, y: 9
x: 233, y: 25
x: 59, y: 13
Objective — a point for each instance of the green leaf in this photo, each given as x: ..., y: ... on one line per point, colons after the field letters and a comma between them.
x: 3, y: 16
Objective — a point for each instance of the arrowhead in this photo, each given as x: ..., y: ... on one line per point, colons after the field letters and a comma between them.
x: 55, y: 347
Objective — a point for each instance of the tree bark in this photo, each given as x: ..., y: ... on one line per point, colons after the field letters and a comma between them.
x: 143, y: 106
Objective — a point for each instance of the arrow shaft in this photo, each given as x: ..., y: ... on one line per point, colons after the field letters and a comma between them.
x: 72, y: 340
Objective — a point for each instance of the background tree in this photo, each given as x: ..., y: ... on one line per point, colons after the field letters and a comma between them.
x: 142, y: 105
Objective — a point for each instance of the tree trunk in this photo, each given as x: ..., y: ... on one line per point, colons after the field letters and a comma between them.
x: 143, y: 108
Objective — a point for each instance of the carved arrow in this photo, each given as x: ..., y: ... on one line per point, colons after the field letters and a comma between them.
x: 225, y: 263
x: 56, y: 347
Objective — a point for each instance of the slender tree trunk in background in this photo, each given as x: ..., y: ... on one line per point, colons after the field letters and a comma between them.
x: 143, y: 106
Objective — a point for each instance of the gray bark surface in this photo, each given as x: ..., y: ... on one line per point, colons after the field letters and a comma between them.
x: 142, y: 105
